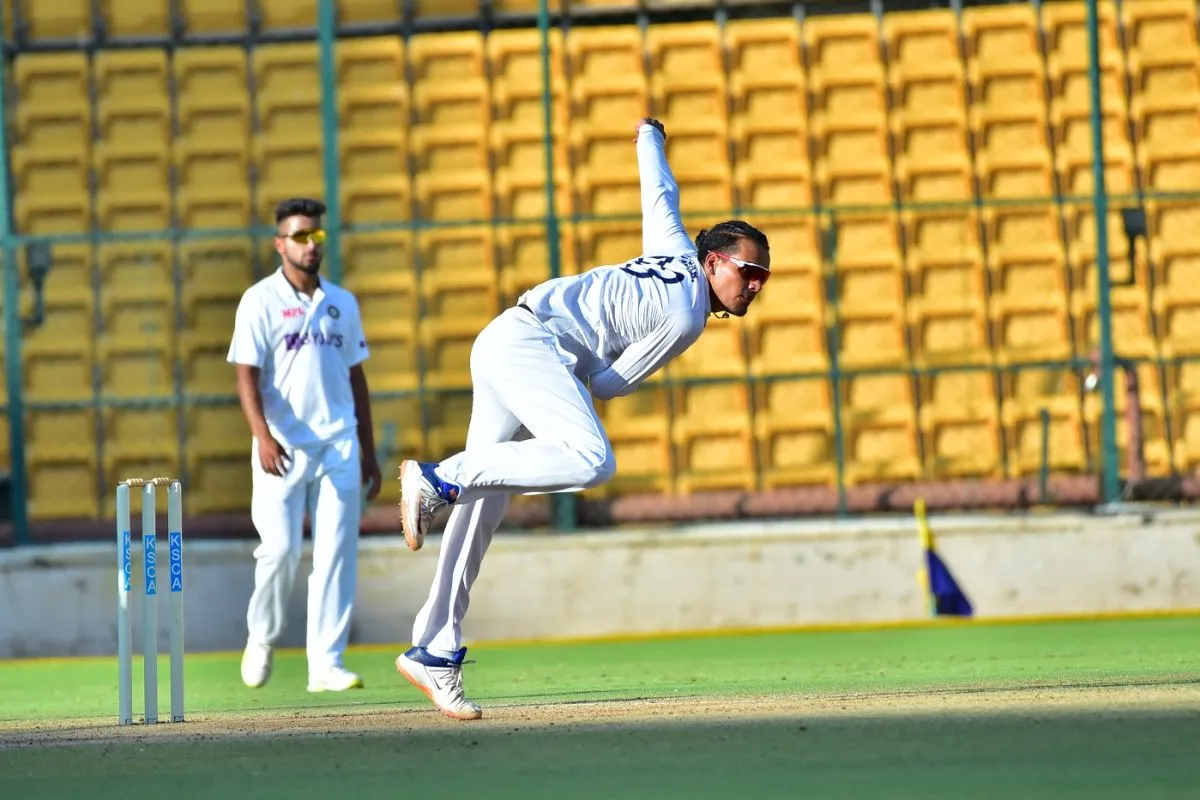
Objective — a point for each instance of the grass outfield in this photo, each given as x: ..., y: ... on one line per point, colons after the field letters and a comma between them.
x: 1065, y: 709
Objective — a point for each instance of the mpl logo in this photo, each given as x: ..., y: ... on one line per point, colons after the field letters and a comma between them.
x: 175, y: 545
x: 288, y: 313
x: 126, y: 562
x: 149, y: 550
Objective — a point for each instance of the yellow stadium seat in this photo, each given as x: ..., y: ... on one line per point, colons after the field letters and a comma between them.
x: 213, y: 16
x: 1176, y: 255
x: 849, y: 113
x: 133, y: 187
x: 135, y: 18
x: 453, y: 181
x: 880, y: 429
x: 446, y: 344
x: 448, y: 415
x: 720, y: 352
x: 214, y: 185
x: 608, y: 77
x: 639, y: 430
x: 216, y: 267
x: 372, y: 85
x: 52, y: 190
x: 133, y: 97
x: 713, y: 436
x: 523, y: 257
x: 929, y: 121
x: 427, y: 10
x: 141, y: 441
x: 217, y: 430
x: 449, y: 77
x: 1183, y: 408
x: 219, y: 484
x: 63, y: 464
x: 1025, y: 393
x: 285, y: 15
x: 523, y: 7
x: 947, y: 307
x: 393, y: 346
x: 58, y: 354
x: 1132, y: 329
x: 515, y: 58
x: 378, y: 255
x: 870, y: 290
x: 403, y: 415
x: 42, y: 20
x: 959, y: 420
x: 350, y: 12
x: 458, y: 273
x: 287, y: 90
x: 794, y: 428
x: 605, y: 243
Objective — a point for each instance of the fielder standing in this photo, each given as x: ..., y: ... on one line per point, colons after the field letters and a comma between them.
x: 534, y: 371
x: 298, y: 348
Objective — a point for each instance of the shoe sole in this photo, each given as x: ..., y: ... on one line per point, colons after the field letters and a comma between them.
x: 321, y: 688
x: 421, y: 688
x: 410, y: 517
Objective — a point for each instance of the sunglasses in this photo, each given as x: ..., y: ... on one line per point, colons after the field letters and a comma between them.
x: 305, y: 236
x: 749, y: 270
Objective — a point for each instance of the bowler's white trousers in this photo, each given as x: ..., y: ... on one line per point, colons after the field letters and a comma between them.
x: 325, y: 481
x: 520, y: 380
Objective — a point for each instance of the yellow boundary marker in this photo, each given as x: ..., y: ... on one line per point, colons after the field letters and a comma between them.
x: 834, y: 627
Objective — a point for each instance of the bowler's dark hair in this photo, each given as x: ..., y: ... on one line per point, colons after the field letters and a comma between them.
x: 299, y: 207
x: 724, y: 236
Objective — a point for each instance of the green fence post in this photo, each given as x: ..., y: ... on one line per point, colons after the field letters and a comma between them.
x: 1111, y: 480
x: 12, y: 333
x: 565, y: 505
x: 326, y: 30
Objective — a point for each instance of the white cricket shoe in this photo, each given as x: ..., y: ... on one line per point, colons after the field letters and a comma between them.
x: 440, y: 679
x: 256, y: 664
x: 333, y: 679
x: 422, y: 494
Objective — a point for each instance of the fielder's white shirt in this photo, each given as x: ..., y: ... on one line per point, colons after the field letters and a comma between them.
x: 304, y: 348
x: 621, y: 323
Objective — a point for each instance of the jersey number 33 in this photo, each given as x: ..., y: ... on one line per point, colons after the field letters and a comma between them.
x: 668, y: 269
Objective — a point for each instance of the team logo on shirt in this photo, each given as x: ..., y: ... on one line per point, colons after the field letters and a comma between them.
x: 288, y: 313
x: 333, y: 312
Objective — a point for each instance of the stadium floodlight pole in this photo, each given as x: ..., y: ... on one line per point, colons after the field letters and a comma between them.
x: 12, y: 334
x: 326, y: 31
x: 565, y: 517
x: 1111, y: 478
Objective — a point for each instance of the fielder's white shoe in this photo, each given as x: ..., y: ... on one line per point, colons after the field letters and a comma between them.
x: 256, y: 664
x: 440, y: 679
x: 333, y: 679
x: 422, y: 494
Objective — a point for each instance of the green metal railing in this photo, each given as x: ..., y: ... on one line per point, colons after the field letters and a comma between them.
x: 565, y: 514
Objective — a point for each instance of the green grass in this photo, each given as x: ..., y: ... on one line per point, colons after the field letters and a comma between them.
x: 984, y: 752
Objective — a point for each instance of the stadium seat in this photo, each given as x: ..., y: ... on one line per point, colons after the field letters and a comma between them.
x: 52, y: 192
x: 786, y: 327
x: 1176, y: 255
x: 849, y: 113
x: 213, y: 16
x: 401, y: 414
x: 217, y: 431
x: 219, y: 483
x: 960, y: 425
x: 1024, y: 394
x: 523, y: 258
x: 276, y: 15
x: 58, y: 354
x: 518, y: 130
x: 446, y: 348
x: 141, y: 441
x: 371, y: 255
x: 394, y: 360
x: 448, y: 415
x: 135, y: 18
x: 138, y: 327
x: 720, y: 352
x: 352, y: 12
x: 639, y: 430
x: 947, y: 306
x: 870, y: 291
x: 452, y: 173
x: 133, y: 187
x: 769, y: 116
x: 523, y: 7
x: 457, y: 274
x: 1006, y: 72
x: 713, y: 436
x: 1132, y: 327
x: 63, y: 464
x: 794, y: 429
x: 880, y: 428
x: 212, y: 151
x: 222, y: 268
x: 688, y: 87
x: 603, y: 243
x: 133, y: 97
x: 287, y: 90
x: 929, y: 122
x: 1183, y: 408
x: 54, y: 21
x: 608, y: 88
x: 1070, y: 106
x: 1028, y: 303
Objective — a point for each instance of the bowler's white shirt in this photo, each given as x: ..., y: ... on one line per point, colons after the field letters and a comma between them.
x: 304, y: 348
x: 623, y: 322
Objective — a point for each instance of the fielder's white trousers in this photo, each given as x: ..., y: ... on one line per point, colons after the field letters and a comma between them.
x: 521, y: 383
x: 326, y: 482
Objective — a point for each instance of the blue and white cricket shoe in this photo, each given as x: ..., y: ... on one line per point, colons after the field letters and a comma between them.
x: 439, y: 679
x: 422, y: 494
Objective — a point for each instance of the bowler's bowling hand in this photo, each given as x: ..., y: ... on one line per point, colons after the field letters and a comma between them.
x: 274, y: 459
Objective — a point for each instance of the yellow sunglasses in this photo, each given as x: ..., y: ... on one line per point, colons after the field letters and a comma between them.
x: 316, y: 236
